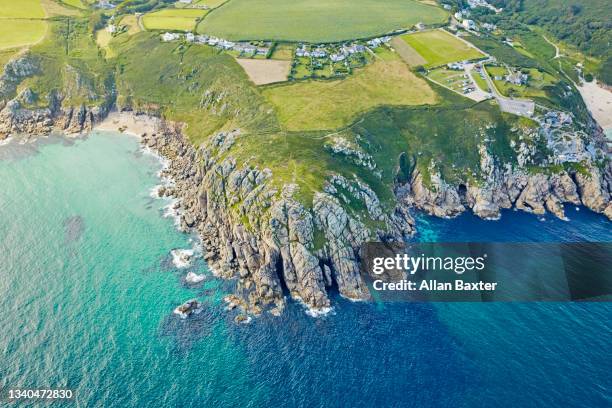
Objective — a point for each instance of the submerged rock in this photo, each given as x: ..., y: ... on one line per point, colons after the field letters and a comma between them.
x: 188, y: 308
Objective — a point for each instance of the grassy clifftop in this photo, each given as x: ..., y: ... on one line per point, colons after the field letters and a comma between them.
x: 209, y: 92
x: 374, y: 126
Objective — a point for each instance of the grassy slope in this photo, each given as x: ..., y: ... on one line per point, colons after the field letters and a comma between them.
x: 174, y: 79
x: 582, y: 24
x: 193, y: 84
x: 554, y: 92
x: 72, y: 64
x: 334, y: 20
x: 331, y: 104
x: 438, y: 47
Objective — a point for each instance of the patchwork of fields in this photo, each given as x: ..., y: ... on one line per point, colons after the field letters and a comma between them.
x: 316, y: 21
x: 438, y: 47
x: 173, y: 19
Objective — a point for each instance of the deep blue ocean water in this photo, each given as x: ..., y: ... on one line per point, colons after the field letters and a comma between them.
x: 87, y: 289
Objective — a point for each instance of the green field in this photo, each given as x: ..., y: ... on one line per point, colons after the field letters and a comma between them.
x: 438, y: 47
x: 173, y: 19
x: 480, y: 81
x: 315, y: 21
x: 331, y: 104
x: 17, y: 33
x: 21, y: 9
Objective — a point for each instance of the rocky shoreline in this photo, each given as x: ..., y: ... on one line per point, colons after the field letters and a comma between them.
x: 274, y: 246
x: 260, y: 236
x: 265, y: 239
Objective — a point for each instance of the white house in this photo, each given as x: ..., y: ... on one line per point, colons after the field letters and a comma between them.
x: 169, y: 37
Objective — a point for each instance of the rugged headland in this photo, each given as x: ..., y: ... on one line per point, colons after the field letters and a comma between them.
x: 286, y: 212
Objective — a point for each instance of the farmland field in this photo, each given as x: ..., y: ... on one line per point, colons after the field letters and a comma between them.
x: 173, y: 19
x: 266, y: 71
x: 438, y: 47
x: 313, y: 105
x: 21, y: 9
x: 315, y: 20
x: 408, y: 54
x: 16, y: 33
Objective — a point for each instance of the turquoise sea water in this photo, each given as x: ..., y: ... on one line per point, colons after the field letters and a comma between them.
x: 87, y: 289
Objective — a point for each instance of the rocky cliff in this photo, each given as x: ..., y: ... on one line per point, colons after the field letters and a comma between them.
x: 23, y: 111
x: 258, y: 233
x: 267, y: 240
x: 506, y: 187
x: 263, y: 237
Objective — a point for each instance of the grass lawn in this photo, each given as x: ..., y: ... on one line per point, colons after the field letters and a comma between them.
x: 16, y: 33
x: 480, y: 81
x: 314, y: 105
x: 438, y: 47
x: 21, y: 9
x: 173, y: 19
x: 315, y: 20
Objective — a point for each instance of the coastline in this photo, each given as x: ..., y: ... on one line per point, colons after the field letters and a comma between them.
x: 267, y: 258
x: 129, y: 122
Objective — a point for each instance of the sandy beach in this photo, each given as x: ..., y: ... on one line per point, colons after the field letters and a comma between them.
x: 128, y: 122
x: 599, y: 102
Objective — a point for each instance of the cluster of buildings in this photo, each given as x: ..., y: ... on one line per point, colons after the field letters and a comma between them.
x: 241, y: 47
x: 338, y: 53
x: 456, y: 66
x: 515, y: 78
